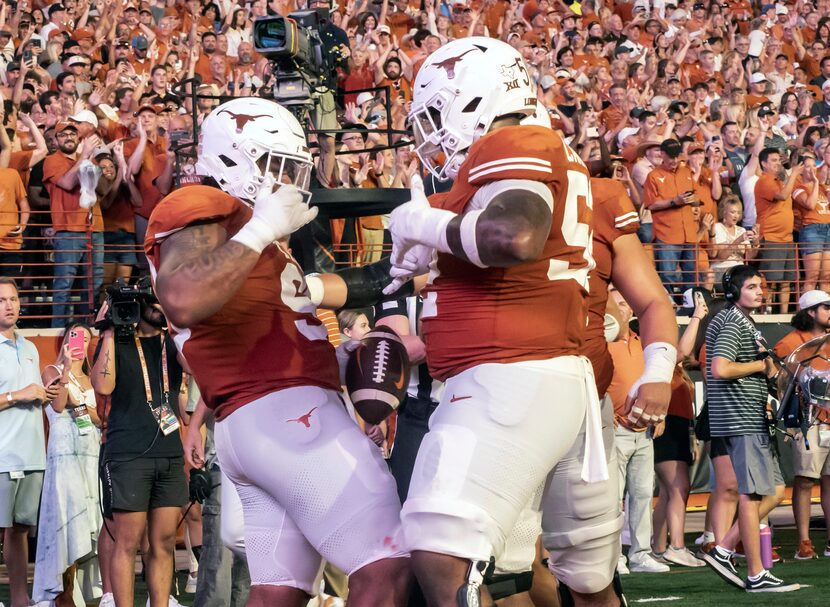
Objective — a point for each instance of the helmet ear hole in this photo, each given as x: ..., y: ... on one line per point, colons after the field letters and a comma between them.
x: 228, y: 162
x: 472, y: 106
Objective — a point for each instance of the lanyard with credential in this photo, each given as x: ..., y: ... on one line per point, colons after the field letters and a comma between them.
x: 164, y: 377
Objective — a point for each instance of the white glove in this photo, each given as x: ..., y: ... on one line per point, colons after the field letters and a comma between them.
x: 277, y: 215
x: 414, y: 263
x: 415, y: 222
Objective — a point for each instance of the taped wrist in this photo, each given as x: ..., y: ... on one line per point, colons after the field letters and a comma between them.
x: 255, y: 235
x: 468, y: 237
x: 434, y: 230
x: 661, y: 359
x: 364, y: 285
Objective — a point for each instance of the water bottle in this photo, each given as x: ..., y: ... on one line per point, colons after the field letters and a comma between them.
x: 766, y: 546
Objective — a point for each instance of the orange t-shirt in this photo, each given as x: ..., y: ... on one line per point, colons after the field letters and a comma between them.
x: 152, y: 166
x: 672, y: 225
x: 774, y: 216
x: 119, y: 216
x: 11, y: 191
x: 67, y: 214
x: 753, y: 100
x: 818, y: 214
x: 20, y: 161
x: 629, y: 364
x: 680, y: 404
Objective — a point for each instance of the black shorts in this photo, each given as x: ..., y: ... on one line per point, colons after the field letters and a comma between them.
x: 776, y: 261
x: 143, y: 484
x: 717, y: 447
x: 673, y: 445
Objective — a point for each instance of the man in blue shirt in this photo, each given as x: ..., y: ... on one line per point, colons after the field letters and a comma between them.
x: 22, y: 444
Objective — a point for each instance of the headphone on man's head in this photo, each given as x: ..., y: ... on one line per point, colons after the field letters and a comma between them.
x: 731, y: 291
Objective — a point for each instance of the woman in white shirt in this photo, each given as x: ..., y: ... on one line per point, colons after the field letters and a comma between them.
x: 732, y: 245
x: 70, y: 516
x: 237, y: 32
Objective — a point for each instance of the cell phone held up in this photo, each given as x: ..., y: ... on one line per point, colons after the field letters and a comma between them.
x: 76, y: 343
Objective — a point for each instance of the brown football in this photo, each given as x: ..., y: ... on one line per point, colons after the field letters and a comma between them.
x: 377, y: 375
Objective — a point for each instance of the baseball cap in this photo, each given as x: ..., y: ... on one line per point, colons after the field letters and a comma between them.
x: 811, y: 299
x: 699, y: 6
x: 383, y: 29
x: 77, y: 60
x: 62, y: 126
x: 546, y: 81
x: 757, y: 77
x: 672, y: 147
x: 101, y: 150
x: 694, y: 148
x: 140, y: 42
x: 765, y: 111
x: 83, y: 33
x: 825, y: 85
x: 363, y: 98
x: 780, y: 9
x: 85, y: 116
x: 146, y: 107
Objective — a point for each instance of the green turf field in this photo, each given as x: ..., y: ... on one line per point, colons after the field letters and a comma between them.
x: 683, y: 587
x: 702, y: 587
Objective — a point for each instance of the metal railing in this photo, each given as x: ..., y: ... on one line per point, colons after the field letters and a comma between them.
x: 63, y: 271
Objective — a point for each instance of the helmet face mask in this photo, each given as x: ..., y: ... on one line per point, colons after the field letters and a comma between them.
x: 249, y: 142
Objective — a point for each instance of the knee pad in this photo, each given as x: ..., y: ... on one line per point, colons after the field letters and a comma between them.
x: 585, y: 559
x: 566, y: 599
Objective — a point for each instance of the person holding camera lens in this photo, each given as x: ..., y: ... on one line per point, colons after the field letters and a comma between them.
x: 737, y: 367
x: 142, y: 465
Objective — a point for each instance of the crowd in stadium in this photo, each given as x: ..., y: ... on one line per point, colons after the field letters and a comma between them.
x: 726, y: 86
x: 712, y: 117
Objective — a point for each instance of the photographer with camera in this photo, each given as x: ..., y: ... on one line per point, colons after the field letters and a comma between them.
x: 142, y: 465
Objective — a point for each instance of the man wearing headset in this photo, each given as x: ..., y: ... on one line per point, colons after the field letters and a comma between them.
x: 737, y: 367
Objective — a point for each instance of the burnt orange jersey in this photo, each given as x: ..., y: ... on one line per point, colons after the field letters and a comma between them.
x: 614, y: 215
x: 532, y: 311
x: 267, y: 336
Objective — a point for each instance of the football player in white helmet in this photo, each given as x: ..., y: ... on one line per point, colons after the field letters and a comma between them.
x: 245, y: 142
x: 509, y: 250
x: 311, y: 483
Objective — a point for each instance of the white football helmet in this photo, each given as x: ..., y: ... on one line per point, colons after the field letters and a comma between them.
x: 460, y: 90
x: 245, y: 139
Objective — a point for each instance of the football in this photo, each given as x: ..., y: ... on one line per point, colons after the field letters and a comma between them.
x: 377, y: 375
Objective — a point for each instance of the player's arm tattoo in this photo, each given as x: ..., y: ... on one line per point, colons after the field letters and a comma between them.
x: 511, y: 230
x: 200, y: 271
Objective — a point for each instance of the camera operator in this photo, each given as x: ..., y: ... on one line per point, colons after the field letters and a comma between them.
x: 737, y: 367
x: 142, y: 464
x: 324, y: 117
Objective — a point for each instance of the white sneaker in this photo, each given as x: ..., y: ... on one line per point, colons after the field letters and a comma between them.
x: 107, y: 600
x: 682, y: 556
x: 622, y: 568
x: 190, y: 586
x: 646, y: 564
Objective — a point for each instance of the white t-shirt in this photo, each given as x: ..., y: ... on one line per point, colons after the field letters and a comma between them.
x: 724, y: 237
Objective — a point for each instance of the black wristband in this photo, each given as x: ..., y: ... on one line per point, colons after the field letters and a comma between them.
x: 365, y: 285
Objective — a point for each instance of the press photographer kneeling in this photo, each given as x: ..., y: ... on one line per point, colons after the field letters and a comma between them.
x: 142, y: 466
